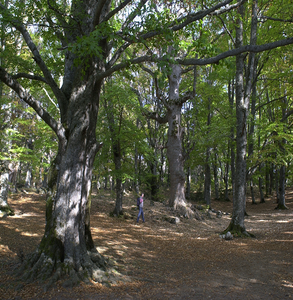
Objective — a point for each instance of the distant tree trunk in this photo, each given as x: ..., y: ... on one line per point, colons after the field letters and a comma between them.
x: 28, y: 177
x: 4, y: 187
x: 117, y: 153
x: 281, y: 189
x: 136, y: 170
x: 207, y: 179
x: 282, y: 178
x: 260, y: 184
x: 106, y: 179
x: 216, y: 179
x: 226, y: 179
x: 188, y: 181
x: 252, y: 192
x: 267, y: 179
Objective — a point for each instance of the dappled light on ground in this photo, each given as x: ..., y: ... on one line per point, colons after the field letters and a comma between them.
x: 163, y: 260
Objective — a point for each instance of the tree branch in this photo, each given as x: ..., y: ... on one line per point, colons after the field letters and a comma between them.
x: 234, y: 52
x: 29, y: 76
x: 98, y: 11
x: 276, y: 19
x: 174, y: 25
x: 155, y: 116
x: 31, y: 101
x: 195, y: 61
x: 115, y: 11
x: 148, y: 114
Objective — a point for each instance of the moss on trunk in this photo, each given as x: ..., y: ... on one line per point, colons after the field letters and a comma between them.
x: 7, y: 210
x: 237, y: 231
x: 281, y: 206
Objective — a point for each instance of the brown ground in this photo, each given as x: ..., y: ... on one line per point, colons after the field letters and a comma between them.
x: 163, y: 260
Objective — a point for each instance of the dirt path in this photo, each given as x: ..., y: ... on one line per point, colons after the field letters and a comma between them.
x: 163, y: 260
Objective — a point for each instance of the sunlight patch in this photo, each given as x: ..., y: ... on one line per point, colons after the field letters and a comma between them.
x: 30, y: 234
x: 287, y: 283
x: 102, y: 249
x: 4, y: 249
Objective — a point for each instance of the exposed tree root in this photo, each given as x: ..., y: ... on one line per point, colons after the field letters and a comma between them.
x: 48, y: 264
x: 184, y: 210
x: 92, y: 267
x: 281, y: 206
x: 237, y: 231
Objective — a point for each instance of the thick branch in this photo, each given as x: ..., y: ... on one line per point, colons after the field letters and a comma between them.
x: 176, y: 25
x: 29, y: 76
x: 156, y: 116
x: 234, y: 52
x: 227, y: 8
x: 115, y: 11
x: 98, y: 11
x: 36, y: 105
x: 195, y: 61
x: 277, y: 19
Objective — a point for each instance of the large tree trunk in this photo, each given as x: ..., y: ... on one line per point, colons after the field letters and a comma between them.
x: 67, y: 247
x: 174, y: 145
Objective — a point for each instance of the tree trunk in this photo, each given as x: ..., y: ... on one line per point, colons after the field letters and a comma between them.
x: 216, y: 179
x: 4, y: 186
x: 260, y: 184
x: 242, y: 105
x: 281, y: 188
x: 188, y: 181
x: 207, y: 179
x: 67, y: 247
x: 207, y: 173
x: 252, y: 192
x: 174, y: 144
x: 231, y: 91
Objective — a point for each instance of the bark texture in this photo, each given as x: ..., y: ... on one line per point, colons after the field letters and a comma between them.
x: 67, y: 250
x: 5, y: 209
x: 243, y: 92
x: 174, y: 145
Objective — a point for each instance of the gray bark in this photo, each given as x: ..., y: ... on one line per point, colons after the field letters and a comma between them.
x: 174, y: 144
x: 216, y: 179
x: 207, y: 181
x: 242, y: 108
x: 4, y: 188
x: 281, y: 189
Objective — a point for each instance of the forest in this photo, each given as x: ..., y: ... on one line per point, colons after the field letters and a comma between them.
x: 188, y: 102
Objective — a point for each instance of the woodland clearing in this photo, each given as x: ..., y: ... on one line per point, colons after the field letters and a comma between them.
x: 160, y: 260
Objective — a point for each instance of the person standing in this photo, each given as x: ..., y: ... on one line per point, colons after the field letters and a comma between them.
x: 140, y: 206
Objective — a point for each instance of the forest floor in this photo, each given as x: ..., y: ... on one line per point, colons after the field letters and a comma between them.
x: 188, y: 260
